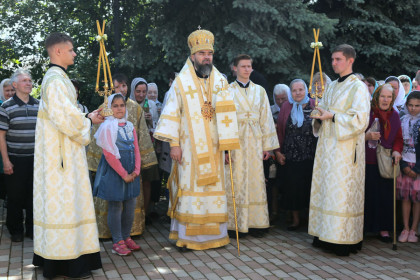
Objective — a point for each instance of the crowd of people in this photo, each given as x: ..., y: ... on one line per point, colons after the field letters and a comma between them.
x: 230, y: 161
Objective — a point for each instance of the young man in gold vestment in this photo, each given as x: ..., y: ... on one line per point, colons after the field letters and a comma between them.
x: 338, y: 180
x: 199, y: 122
x: 258, y: 137
x: 65, y: 233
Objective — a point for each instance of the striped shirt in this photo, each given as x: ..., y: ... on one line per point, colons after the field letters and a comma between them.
x: 19, y: 120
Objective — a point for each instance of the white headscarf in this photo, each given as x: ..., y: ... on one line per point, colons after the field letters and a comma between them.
x: 134, y: 83
x: 399, y: 100
x: 2, y: 98
x: 278, y: 89
x: 106, y: 136
x: 153, y: 85
x: 326, y: 80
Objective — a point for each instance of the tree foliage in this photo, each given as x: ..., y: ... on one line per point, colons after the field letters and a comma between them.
x: 385, y: 34
x: 148, y: 38
x: 277, y: 34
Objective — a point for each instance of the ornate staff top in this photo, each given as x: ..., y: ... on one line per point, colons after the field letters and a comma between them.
x: 317, y: 94
x: 316, y: 45
x: 103, y: 60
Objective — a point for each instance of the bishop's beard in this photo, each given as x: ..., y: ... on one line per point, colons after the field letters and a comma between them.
x: 203, y: 69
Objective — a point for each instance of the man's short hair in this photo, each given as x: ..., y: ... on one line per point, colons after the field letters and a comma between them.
x: 120, y: 77
x: 57, y: 38
x: 17, y: 73
x: 371, y: 81
x: 241, y: 57
x: 76, y: 84
x: 347, y: 50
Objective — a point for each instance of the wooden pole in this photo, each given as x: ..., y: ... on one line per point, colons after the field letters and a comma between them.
x: 234, y: 202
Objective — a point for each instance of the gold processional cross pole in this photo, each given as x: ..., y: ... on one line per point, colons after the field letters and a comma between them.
x: 233, y: 192
x: 316, y: 45
x: 103, y: 61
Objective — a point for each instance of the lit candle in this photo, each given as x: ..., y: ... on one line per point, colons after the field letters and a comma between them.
x: 98, y: 75
x: 312, y: 73
x: 100, y: 57
x: 107, y: 64
x: 104, y: 67
x: 320, y: 70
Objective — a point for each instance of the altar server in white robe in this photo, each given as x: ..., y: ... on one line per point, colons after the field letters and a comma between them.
x: 338, y: 180
x: 258, y: 137
x: 65, y: 232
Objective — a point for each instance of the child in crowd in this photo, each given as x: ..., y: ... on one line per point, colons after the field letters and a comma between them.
x: 117, y: 179
x: 408, y: 182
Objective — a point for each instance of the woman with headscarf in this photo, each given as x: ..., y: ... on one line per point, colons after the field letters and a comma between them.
x: 406, y: 82
x: 378, y: 190
x: 139, y: 89
x: 150, y: 176
x: 316, y: 82
x: 6, y: 90
x: 280, y: 95
x: 153, y: 94
x: 398, y: 90
x: 371, y: 84
x: 297, y: 149
x: 408, y: 182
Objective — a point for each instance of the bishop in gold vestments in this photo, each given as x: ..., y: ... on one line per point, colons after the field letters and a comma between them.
x: 198, y: 200
x: 338, y: 181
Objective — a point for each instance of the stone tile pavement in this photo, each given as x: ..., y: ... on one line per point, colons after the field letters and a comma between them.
x: 279, y: 255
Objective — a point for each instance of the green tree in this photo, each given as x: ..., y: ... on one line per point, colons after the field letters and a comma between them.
x: 277, y: 34
x: 28, y: 22
x: 385, y: 34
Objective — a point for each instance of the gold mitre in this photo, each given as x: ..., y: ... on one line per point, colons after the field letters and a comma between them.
x: 200, y: 40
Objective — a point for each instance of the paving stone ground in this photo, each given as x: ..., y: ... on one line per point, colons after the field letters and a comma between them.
x: 281, y: 254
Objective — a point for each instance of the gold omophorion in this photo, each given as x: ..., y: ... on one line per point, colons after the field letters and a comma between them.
x: 103, y: 61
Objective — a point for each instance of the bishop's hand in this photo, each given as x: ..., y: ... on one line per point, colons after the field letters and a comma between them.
x: 176, y: 153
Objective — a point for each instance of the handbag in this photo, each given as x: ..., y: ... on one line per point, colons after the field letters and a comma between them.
x: 386, y: 168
